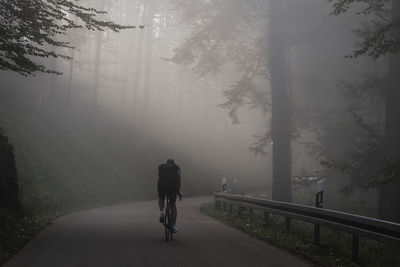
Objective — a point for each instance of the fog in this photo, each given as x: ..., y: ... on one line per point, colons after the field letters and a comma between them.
x: 197, y: 82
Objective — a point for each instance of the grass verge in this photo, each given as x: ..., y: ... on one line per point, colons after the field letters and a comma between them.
x: 335, y: 249
x: 16, y: 232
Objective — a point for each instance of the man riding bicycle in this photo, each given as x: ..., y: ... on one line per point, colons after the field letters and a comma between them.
x: 169, y: 184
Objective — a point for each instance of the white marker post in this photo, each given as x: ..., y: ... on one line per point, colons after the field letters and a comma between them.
x: 224, y: 185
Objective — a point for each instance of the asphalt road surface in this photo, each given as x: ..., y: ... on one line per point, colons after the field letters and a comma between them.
x: 130, y: 235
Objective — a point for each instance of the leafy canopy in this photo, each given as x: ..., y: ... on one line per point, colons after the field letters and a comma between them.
x: 382, y: 37
x: 29, y: 30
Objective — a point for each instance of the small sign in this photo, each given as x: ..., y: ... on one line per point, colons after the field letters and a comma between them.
x: 319, y: 198
x: 320, y: 186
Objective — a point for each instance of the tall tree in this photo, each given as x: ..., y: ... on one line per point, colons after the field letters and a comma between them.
x: 148, y: 64
x: 228, y: 31
x: 97, y: 65
x: 381, y: 39
x: 281, y: 103
x: 137, y: 76
x: 389, y: 197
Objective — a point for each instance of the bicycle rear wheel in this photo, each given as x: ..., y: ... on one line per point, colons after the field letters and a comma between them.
x: 168, y: 222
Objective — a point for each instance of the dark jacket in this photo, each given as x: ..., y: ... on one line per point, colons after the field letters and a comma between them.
x: 171, y: 173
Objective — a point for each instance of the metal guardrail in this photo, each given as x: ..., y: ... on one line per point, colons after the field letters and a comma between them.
x: 371, y: 228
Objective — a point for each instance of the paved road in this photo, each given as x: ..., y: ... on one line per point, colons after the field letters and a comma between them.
x: 130, y: 235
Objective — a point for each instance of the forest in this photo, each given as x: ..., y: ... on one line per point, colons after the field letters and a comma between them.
x: 273, y: 95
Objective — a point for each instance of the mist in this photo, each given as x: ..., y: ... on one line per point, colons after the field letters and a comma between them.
x: 271, y: 95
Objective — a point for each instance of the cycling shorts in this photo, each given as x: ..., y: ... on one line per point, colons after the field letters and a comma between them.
x: 167, y: 186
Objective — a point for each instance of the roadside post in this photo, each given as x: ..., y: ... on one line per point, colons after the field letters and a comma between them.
x: 319, y: 203
x: 319, y: 198
x: 234, y: 186
x: 224, y: 185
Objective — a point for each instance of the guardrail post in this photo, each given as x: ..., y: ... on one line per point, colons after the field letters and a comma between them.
x: 356, y: 242
x: 217, y: 204
x: 316, y: 234
x: 356, y: 225
x: 288, y: 220
x: 266, y: 216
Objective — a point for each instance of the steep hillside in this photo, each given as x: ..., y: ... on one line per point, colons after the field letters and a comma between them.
x: 9, y: 188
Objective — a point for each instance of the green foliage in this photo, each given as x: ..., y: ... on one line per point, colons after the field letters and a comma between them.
x: 361, y: 163
x: 364, y: 161
x: 259, y: 146
x: 227, y: 33
x: 370, y: 6
x: 37, y: 201
x: 15, y: 232
x: 391, y: 171
x: 336, y: 245
x: 382, y: 37
x: 29, y: 30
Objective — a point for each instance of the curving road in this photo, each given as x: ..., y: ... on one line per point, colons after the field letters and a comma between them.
x: 130, y: 235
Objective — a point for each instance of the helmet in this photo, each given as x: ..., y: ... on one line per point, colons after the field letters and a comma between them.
x: 170, y: 161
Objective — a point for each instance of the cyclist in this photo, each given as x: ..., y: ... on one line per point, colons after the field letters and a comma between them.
x: 169, y: 184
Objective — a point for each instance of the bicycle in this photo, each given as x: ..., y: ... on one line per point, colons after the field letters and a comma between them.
x: 168, y: 219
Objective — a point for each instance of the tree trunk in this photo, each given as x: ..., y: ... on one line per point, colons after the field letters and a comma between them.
x: 97, y: 63
x: 180, y: 108
x: 138, y: 67
x: 389, y: 193
x: 53, y: 81
x: 125, y: 77
x: 70, y: 77
x: 280, y: 96
x: 128, y: 63
x: 147, y: 71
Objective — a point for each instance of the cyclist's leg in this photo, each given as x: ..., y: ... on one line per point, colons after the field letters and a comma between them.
x: 161, y: 195
x: 161, y: 204
x: 172, y: 198
x: 161, y: 200
x: 175, y: 193
x: 174, y: 213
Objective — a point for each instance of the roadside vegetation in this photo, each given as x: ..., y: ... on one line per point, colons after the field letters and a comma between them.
x: 15, y: 232
x: 335, y: 249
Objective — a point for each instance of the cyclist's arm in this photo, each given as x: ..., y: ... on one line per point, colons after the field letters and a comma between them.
x: 179, y: 180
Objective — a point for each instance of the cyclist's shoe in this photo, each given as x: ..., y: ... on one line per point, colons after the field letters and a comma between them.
x: 174, y: 229
x: 162, y: 218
